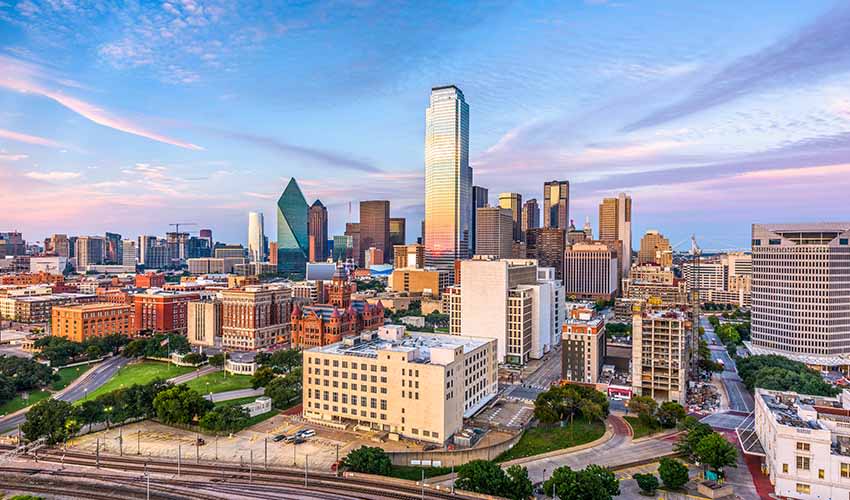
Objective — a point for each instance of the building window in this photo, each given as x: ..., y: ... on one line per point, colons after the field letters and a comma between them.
x: 804, y: 488
x: 803, y: 446
x: 803, y: 463
x: 845, y: 470
x: 784, y: 468
x: 821, y: 474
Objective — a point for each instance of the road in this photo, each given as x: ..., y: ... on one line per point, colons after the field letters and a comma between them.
x: 538, y: 381
x: 739, y: 398
x: 237, y: 394
x: 182, y: 379
x: 76, y: 391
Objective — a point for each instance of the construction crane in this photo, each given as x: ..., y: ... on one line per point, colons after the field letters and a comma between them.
x: 695, y: 252
x: 178, y: 224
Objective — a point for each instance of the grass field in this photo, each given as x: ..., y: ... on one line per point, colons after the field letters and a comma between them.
x: 139, y: 373
x: 537, y: 440
x: 218, y: 382
x: 639, y: 429
x: 68, y: 375
x: 413, y: 473
x: 18, y: 403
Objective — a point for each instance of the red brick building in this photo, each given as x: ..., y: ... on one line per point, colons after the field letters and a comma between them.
x: 255, y: 317
x: 162, y: 312
x: 323, y: 324
x: 32, y: 279
x: 150, y: 280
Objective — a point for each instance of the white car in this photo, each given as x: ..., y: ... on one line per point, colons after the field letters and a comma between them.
x: 306, y: 433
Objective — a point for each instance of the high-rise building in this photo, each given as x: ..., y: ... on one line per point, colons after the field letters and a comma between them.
x: 409, y: 256
x: 273, y: 253
x: 159, y: 311
x: 556, y: 204
x: 479, y: 200
x: 343, y: 248
x: 207, y: 235
x: 444, y: 380
x: 397, y: 234
x: 112, y: 249
x: 583, y: 346
x: 513, y: 202
x: 591, y: 271
x: 352, y: 230
x: 448, y: 179
x: 317, y: 229
x: 12, y: 244
x: 495, y: 231
x: 59, y: 245
x: 530, y: 215
x: 615, y: 224
x: 292, y: 242
x: 178, y: 247
x: 417, y: 282
x: 197, y: 248
x: 256, y: 237
x: 663, y: 344
x: 375, y: 226
x: 801, y: 291
x: 546, y: 245
x: 655, y: 249
x: 129, y: 257
x: 576, y: 235
x: 90, y: 251
x: 372, y: 257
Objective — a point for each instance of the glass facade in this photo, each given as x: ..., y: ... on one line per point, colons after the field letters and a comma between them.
x: 292, y: 241
x: 448, y: 179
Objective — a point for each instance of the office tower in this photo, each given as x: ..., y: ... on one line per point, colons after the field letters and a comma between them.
x: 12, y: 244
x: 197, y: 248
x: 556, y: 204
x: 495, y: 228
x: 576, y: 235
x: 705, y: 276
x: 90, y: 251
x: 546, y: 245
x: 58, y: 245
x: 207, y: 235
x: 144, y: 245
x: 397, y: 234
x: 155, y: 252
x: 112, y: 250
x: 591, y: 271
x: 448, y: 179
x: 479, y: 200
x: 513, y: 202
x: 662, y: 350
x: 583, y: 346
x: 372, y: 257
x: 530, y: 215
x: 292, y: 242
x: 204, y: 323
x: 655, y: 249
x: 801, y: 291
x: 507, y: 300
x: 409, y: 256
x: 375, y: 225
x: 273, y: 253
x: 223, y: 251
x: 438, y: 388
x: 129, y: 257
x: 352, y: 230
x: 660, y: 283
x: 615, y: 224
x: 739, y: 271
x: 343, y: 246
x: 256, y: 237
x: 255, y: 317
x: 418, y: 282
x: 421, y: 239
x: 317, y: 229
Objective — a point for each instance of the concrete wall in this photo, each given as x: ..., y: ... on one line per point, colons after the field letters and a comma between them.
x: 456, y: 457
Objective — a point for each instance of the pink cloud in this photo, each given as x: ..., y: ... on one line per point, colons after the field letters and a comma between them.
x: 28, y: 139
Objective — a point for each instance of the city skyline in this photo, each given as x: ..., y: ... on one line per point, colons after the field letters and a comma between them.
x: 724, y: 112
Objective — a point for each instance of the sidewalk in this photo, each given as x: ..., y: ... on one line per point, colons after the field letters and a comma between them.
x: 182, y: 379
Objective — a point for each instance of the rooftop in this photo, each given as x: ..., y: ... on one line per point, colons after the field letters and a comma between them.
x: 97, y: 306
x: 369, y: 344
x: 53, y: 297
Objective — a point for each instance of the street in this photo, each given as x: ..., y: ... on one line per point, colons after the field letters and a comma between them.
x: 739, y: 398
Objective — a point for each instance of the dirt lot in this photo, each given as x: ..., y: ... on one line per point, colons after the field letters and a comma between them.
x: 156, y: 440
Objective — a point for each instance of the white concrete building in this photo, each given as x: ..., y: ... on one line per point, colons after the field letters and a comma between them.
x: 49, y: 264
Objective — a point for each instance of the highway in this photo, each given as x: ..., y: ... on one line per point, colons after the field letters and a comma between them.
x: 76, y: 391
x: 739, y: 398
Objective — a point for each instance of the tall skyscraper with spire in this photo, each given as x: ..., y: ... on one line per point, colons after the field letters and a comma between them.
x: 448, y: 179
x: 256, y: 237
x: 292, y: 242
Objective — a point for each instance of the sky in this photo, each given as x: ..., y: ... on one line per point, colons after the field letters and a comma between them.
x: 128, y: 116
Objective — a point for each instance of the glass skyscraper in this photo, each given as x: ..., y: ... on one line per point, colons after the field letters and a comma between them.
x: 292, y: 242
x: 448, y: 179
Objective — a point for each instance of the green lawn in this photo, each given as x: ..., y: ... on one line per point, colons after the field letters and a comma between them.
x: 413, y: 473
x: 639, y: 429
x: 218, y: 382
x: 68, y: 375
x: 139, y: 373
x: 18, y: 403
x: 538, y: 440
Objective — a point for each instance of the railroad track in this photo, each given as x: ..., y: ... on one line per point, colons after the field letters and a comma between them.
x: 247, y: 479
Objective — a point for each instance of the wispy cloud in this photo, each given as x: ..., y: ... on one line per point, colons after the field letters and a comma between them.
x: 28, y: 139
x: 813, y: 52
x: 55, y: 175
x: 19, y: 78
x: 11, y: 157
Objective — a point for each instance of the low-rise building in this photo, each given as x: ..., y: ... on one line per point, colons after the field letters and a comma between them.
x: 80, y: 322
x: 38, y: 308
x: 582, y: 346
x: 416, y: 281
x: 241, y: 363
x: 419, y: 386
x: 159, y: 311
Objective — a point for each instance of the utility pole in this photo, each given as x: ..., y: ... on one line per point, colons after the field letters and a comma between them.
x: 216, y: 447
x: 337, y: 461
x: 423, y: 484
x: 251, y: 466
x: 148, y: 478
x: 97, y: 453
x: 197, y: 448
x: 178, y: 459
x: 266, y: 453
x: 306, y: 459
x: 121, y: 441
x: 139, y: 442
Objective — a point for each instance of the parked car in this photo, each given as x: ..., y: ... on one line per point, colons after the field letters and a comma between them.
x: 306, y: 433
x: 279, y: 438
x: 298, y: 440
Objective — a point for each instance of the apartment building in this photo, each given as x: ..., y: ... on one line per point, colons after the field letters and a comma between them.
x: 663, y: 344
x: 204, y: 323
x: 801, y: 292
x: 160, y: 311
x: 804, y: 442
x: 418, y: 386
x: 80, y: 322
x: 582, y: 346
x: 255, y: 317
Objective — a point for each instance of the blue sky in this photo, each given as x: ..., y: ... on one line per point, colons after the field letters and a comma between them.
x: 713, y: 115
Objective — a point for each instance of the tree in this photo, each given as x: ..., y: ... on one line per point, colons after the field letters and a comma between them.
x: 779, y: 373
x: 7, y: 388
x: 136, y: 348
x: 216, y: 360
x: 282, y: 361
x: 519, y: 485
x: 180, y: 405
x: 285, y: 391
x: 673, y: 473
x: 669, y: 414
x: 717, y: 453
x: 90, y: 412
x: 194, y: 358
x: 48, y: 419
x: 262, y: 376
x: 94, y: 352
x: 609, y: 480
x: 482, y: 476
x: 694, y: 432
x: 592, y: 483
x: 563, y: 402
x: 369, y: 460
x: 647, y: 483
x: 645, y: 408
x: 227, y: 418
x: 26, y: 373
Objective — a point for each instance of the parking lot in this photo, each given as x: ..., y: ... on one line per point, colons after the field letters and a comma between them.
x: 506, y: 414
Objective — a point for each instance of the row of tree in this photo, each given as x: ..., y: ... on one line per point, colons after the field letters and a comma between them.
x: 561, y: 403
x: 60, y: 351
x: 22, y: 374
x: 667, y: 415
x: 782, y: 374
x: 160, y: 345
